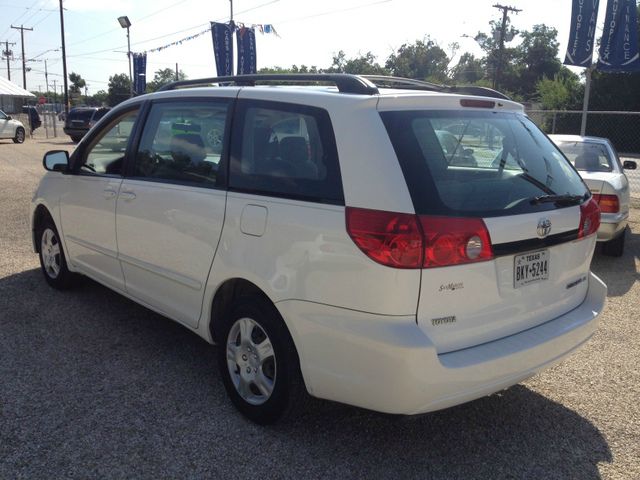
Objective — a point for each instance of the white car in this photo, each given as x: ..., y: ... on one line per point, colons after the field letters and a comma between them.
x: 348, y: 256
x: 599, y: 165
x: 10, y: 128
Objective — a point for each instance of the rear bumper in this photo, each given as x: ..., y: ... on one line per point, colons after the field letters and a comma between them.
x: 389, y: 365
x: 75, y: 132
x: 612, y: 225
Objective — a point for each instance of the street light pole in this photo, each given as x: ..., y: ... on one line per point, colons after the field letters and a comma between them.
x: 126, y: 23
x: 64, y: 63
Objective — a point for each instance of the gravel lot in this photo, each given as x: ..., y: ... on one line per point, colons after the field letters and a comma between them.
x: 94, y: 386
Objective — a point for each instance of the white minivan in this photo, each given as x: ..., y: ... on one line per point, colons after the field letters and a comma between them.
x: 327, y: 240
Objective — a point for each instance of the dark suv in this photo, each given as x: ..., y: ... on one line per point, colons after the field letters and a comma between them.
x: 81, y: 119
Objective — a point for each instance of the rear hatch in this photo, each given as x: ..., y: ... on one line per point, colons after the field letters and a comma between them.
x: 507, y: 223
x: 79, y: 118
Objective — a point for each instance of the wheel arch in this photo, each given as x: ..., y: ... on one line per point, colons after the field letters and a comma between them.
x: 40, y: 214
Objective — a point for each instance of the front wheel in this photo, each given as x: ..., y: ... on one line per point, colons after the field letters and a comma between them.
x: 19, y: 138
x: 52, y: 260
x: 258, y: 361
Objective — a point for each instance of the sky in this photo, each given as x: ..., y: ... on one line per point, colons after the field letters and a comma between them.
x: 309, y: 33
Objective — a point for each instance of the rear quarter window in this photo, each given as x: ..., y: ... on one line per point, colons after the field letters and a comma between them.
x: 475, y: 163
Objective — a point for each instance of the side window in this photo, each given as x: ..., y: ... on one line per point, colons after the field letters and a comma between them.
x: 183, y: 142
x: 286, y: 150
x: 106, y: 154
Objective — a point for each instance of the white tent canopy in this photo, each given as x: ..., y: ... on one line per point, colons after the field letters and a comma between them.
x: 9, y: 93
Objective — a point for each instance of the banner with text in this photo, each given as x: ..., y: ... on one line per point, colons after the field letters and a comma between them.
x: 619, y: 45
x: 246, y: 39
x: 584, y: 15
x: 223, y: 47
x: 139, y: 73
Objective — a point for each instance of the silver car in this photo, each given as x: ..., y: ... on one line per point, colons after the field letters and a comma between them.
x: 599, y: 165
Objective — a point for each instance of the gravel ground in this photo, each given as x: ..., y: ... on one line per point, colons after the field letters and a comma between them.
x: 94, y: 386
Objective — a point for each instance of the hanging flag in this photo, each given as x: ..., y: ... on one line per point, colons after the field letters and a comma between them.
x: 139, y: 73
x: 246, y: 39
x: 619, y: 45
x: 584, y: 15
x: 223, y: 47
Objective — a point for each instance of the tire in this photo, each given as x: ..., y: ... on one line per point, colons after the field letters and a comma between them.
x: 615, y: 247
x: 258, y: 361
x: 52, y: 260
x: 19, y: 138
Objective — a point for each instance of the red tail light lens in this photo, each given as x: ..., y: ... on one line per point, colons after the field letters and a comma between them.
x: 589, y: 218
x: 453, y: 241
x: 392, y: 239
x: 607, y: 203
x: 403, y: 240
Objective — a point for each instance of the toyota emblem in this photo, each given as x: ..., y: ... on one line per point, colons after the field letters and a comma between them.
x: 544, y: 227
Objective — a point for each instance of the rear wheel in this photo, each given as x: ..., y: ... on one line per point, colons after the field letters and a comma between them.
x: 615, y: 247
x: 258, y: 361
x: 52, y: 260
x: 19, y: 138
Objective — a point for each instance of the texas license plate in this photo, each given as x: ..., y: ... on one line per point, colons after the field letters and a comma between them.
x: 530, y: 267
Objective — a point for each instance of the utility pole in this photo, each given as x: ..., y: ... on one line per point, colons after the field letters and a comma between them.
x: 503, y: 31
x: 8, y: 54
x: 177, y: 76
x: 22, y: 28
x: 46, y: 75
x: 231, y: 16
x: 64, y: 62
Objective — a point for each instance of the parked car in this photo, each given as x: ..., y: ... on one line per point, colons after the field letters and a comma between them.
x: 10, y: 128
x: 81, y: 119
x: 326, y: 244
x: 34, y: 117
x: 599, y: 165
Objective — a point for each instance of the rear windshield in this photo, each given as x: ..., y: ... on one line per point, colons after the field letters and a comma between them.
x: 473, y: 163
x: 587, y: 157
x: 81, y: 114
x: 99, y: 114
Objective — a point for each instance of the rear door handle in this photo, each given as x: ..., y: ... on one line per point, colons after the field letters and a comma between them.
x: 127, y: 195
x: 109, y: 193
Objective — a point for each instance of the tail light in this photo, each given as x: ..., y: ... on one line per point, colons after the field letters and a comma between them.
x: 607, y: 203
x: 453, y: 241
x: 589, y: 218
x: 403, y: 240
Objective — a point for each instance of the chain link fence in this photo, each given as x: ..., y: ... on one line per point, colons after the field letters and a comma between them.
x: 622, y: 128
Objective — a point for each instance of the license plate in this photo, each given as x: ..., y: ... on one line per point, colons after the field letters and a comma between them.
x: 530, y: 267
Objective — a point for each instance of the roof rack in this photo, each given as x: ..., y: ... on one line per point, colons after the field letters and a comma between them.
x: 346, y: 83
x: 384, y: 81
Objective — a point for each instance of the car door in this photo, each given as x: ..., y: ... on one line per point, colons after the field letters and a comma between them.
x: 5, y: 129
x: 171, y: 205
x: 88, y: 207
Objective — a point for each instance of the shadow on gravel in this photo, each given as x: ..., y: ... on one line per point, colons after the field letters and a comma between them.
x: 94, y: 386
x: 619, y: 273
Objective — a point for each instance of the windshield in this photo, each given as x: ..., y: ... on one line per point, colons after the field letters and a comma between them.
x: 474, y: 163
x: 587, y: 157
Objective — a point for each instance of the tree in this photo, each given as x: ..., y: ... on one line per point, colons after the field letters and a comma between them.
x: 563, y: 92
x: 423, y: 60
x: 77, y: 83
x: 100, y: 98
x: 163, y: 77
x: 363, y: 65
x: 119, y: 89
x: 490, y: 44
x: 469, y: 70
x: 536, y: 59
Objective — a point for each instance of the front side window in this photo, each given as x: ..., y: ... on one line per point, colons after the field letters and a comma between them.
x: 183, y: 142
x: 105, y: 155
x: 286, y: 150
x: 471, y: 163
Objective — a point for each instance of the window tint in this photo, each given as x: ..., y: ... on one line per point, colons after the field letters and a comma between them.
x: 84, y: 114
x: 106, y: 153
x: 183, y: 142
x: 469, y: 163
x: 587, y: 157
x: 286, y: 150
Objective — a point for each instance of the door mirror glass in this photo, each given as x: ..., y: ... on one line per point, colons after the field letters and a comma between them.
x: 630, y: 165
x: 56, y: 161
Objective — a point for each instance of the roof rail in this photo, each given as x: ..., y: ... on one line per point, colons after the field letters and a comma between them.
x: 384, y: 81
x: 346, y: 83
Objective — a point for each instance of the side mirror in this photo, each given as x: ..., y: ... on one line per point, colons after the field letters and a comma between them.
x: 629, y: 165
x: 56, y: 161
x: 9, y: 117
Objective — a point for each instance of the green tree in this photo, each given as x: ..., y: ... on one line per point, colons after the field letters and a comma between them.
x: 363, y: 65
x: 563, y: 92
x: 99, y: 98
x: 490, y: 45
x: 77, y: 83
x: 119, y: 89
x: 536, y: 58
x: 423, y: 60
x: 163, y: 77
x: 469, y: 70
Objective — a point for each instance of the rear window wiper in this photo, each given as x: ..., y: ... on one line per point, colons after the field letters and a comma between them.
x: 558, y: 199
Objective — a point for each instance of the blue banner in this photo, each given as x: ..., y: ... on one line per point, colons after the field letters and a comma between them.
x: 223, y: 47
x: 246, y: 38
x: 619, y: 44
x: 584, y: 15
x: 139, y: 73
